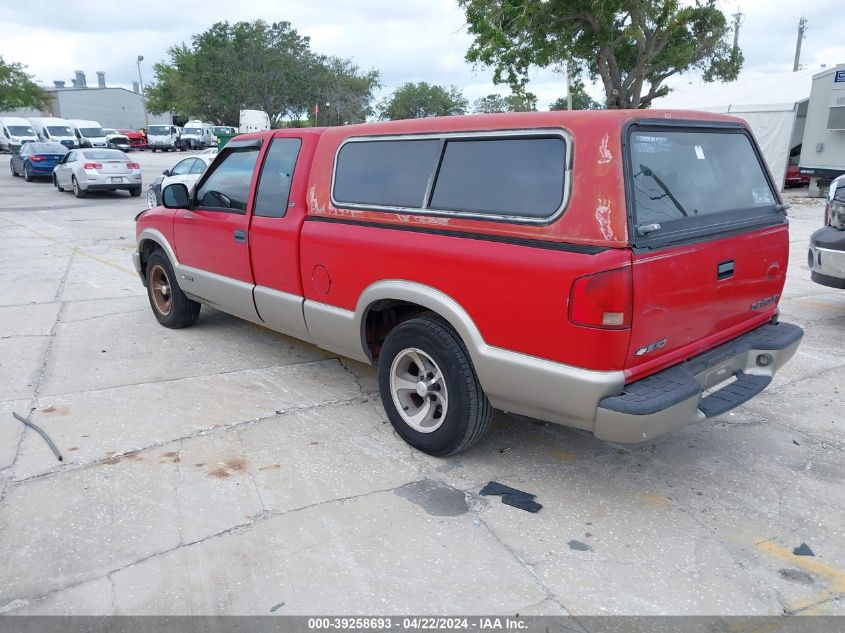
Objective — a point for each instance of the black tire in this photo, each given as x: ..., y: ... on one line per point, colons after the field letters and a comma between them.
x: 154, y: 150
x: 468, y: 412
x: 26, y: 175
x: 135, y: 192
x: 180, y: 311
x: 56, y: 183
x: 78, y: 191
x: 12, y: 169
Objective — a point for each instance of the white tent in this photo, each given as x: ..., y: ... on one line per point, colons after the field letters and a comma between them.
x: 773, y: 104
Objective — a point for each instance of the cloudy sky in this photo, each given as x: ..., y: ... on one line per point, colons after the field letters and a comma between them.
x: 406, y: 40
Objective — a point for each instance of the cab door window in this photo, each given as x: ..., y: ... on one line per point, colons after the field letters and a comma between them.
x: 271, y: 198
x: 227, y: 187
x: 183, y: 167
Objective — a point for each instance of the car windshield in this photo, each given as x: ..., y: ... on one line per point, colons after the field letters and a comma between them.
x: 119, y: 139
x: 192, y: 130
x: 59, y: 130
x: 158, y: 130
x: 685, y: 174
x: 104, y: 154
x: 91, y: 132
x: 20, y: 130
x: 47, y: 148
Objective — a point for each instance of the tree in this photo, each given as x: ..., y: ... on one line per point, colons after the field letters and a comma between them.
x: 517, y: 102
x: 18, y: 90
x: 634, y: 46
x: 417, y: 101
x: 580, y: 99
x: 255, y: 65
x: 343, y: 93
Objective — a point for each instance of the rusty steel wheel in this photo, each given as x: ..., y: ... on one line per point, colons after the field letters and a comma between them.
x: 160, y: 289
x: 171, y: 307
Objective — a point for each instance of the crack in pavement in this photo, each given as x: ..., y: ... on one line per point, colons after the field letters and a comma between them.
x: 62, y: 469
x: 46, y: 357
x: 255, y: 520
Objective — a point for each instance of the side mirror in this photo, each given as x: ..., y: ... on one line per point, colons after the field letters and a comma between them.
x: 166, y: 173
x: 175, y: 196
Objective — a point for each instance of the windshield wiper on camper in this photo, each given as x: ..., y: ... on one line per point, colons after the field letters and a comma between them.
x: 645, y: 171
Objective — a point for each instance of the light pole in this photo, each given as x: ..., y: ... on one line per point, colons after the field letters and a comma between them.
x: 143, y: 93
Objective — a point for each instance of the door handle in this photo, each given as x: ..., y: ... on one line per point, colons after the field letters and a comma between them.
x: 240, y: 236
x: 725, y: 270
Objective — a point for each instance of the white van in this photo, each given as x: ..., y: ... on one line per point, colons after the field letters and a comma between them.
x: 14, y: 132
x: 89, y: 133
x: 56, y: 130
x: 254, y: 121
x: 197, y: 135
x: 164, y: 137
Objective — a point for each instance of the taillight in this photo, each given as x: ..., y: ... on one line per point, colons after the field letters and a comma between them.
x: 835, y: 214
x: 603, y: 300
x: 36, y: 159
x: 133, y: 166
x: 92, y: 166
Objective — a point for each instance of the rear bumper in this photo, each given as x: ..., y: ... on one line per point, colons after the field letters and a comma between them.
x: 826, y: 257
x: 676, y: 396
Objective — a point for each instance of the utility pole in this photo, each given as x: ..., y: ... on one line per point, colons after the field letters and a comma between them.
x: 802, y: 26
x: 143, y: 93
x: 737, y: 23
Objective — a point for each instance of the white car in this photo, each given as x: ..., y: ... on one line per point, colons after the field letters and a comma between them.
x: 187, y: 171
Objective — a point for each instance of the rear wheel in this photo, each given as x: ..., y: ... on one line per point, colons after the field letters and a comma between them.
x: 429, y: 388
x: 56, y: 183
x: 78, y: 191
x: 26, y: 174
x: 12, y: 169
x: 135, y: 192
x: 170, y: 305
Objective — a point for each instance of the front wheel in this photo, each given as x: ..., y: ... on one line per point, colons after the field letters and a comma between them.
x: 170, y: 305
x: 429, y: 388
x: 152, y: 198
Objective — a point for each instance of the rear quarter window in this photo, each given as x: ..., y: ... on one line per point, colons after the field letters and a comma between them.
x: 509, y: 176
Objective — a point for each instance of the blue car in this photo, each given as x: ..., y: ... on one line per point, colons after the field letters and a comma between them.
x: 37, y: 160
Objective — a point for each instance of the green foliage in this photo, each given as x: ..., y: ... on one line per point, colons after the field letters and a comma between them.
x: 580, y: 99
x: 17, y: 90
x: 259, y: 66
x: 517, y: 102
x: 417, y: 101
x: 632, y: 45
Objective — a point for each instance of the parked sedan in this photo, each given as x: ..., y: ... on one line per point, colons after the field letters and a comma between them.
x: 186, y: 171
x: 86, y: 170
x: 119, y: 142
x: 37, y: 160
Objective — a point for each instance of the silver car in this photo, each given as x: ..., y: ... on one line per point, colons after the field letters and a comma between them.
x: 85, y: 170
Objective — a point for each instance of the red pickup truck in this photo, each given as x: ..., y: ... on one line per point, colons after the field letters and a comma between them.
x: 615, y: 271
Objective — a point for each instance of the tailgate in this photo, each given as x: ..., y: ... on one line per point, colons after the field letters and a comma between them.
x: 689, y: 298
x: 711, y: 241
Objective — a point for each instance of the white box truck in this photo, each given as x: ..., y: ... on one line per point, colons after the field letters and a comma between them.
x: 165, y: 138
x: 253, y: 121
x: 197, y: 135
x: 56, y: 130
x: 14, y: 132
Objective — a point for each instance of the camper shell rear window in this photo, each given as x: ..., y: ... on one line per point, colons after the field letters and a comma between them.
x: 512, y: 176
x: 688, y: 181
